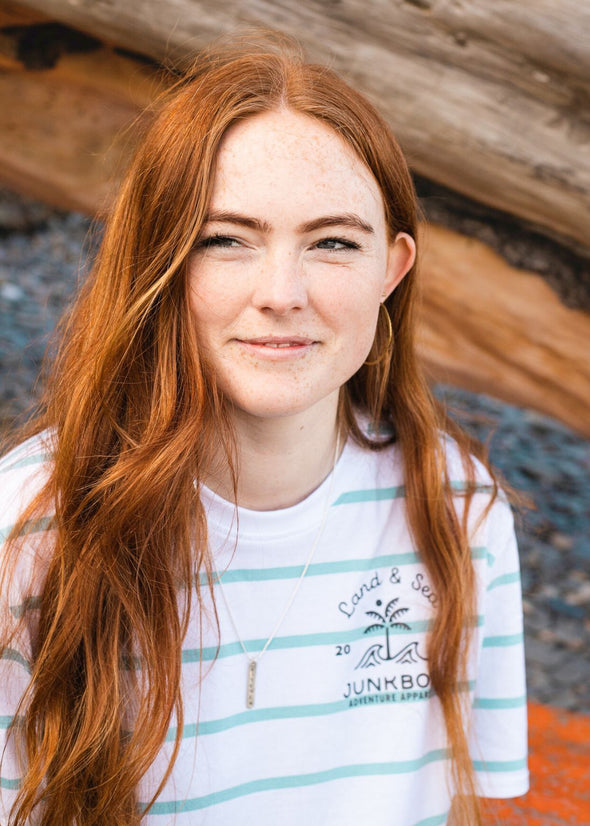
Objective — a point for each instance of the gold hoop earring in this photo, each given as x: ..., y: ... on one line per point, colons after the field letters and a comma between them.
x: 387, y: 349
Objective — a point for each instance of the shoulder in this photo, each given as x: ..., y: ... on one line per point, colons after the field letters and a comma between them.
x: 457, y: 467
x: 487, y: 494
x: 461, y: 468
x: 35, y: 451
x: 23, y: 473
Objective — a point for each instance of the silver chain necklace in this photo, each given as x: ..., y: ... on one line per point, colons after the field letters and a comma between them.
x: 254, y: 659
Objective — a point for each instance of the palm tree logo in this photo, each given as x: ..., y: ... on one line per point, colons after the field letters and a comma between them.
x: 388, y: 621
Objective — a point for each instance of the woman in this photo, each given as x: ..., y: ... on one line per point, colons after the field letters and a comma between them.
x: 255, y: 575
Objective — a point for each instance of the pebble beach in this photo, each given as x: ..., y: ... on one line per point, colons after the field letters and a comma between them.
x: 42, y: 257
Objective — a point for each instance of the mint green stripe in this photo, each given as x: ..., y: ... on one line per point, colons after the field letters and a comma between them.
x: 16, y: 657
x: 232, y: 649
x: 6, y: 783
x: 319, y: 569
x: 476, y: 487
x: 265, y: 714
x: 259, y: 715
x: 370, y: 495
x: 327, y: 568
x: 505, y: 579
x: 13, y: 456
x: 31, y: 526
x: 398, y: 492
x: 500, y: 702
x: 294, y: 641
x: 302, y: 641
x: 6, y: 722
x: 500, y: 765
x: 35, y: 459
x: 294, y: 782
x: 437, y: 820
x: 292, y: 572
x: 502, y: 641
x: 29, y: 604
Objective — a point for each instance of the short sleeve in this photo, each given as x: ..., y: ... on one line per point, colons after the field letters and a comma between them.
x: 499, y: 733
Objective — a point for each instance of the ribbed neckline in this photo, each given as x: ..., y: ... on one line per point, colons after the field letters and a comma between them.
x: 223, y: 516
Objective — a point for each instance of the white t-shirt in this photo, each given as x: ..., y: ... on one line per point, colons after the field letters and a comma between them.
x: 345, y: 729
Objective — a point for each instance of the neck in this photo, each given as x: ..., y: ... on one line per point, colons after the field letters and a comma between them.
x: 280, y: 460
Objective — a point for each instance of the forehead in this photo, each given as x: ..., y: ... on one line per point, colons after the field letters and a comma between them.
x: 284, y: 160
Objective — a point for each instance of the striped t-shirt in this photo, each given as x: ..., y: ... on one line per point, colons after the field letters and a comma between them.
x: 345, y: 730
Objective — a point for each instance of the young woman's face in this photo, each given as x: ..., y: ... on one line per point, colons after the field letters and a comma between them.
x: 291, y: 266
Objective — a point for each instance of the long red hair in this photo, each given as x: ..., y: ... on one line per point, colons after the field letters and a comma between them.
x: 133, y: 410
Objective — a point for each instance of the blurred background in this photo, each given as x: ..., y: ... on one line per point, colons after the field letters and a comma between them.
x: 490, y: 101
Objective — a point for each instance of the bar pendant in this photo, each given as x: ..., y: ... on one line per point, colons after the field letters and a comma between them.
x: 251, y: 684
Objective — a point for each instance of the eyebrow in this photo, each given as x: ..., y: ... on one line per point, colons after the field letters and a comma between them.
x: 347, y: 219
x: 236, y: 218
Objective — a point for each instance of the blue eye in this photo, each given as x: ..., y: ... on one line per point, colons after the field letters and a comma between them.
x: 337, y: 244
x: 218, y: 241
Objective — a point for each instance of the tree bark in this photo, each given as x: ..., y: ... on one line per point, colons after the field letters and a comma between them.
x: 68, y: 132
x: 488, y: 97
x: 491, y: 328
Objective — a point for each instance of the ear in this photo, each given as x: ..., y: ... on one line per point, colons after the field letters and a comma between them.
x: 400, y: 259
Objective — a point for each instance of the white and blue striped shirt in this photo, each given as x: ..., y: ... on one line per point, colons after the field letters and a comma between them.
x: 345, y: 730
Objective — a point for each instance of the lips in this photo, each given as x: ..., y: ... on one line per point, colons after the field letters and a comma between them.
x: 278, y: 345
x: 273, y: 349
x: 279, y: 342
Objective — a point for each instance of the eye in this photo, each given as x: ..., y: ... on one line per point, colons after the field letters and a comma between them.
x: 218, y: 241
x: 337, y: 244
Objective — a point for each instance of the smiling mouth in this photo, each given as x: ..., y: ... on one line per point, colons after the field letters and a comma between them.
x: 283, y: 345
x: 279, y: 343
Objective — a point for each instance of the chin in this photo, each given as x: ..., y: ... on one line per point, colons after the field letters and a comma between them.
x: 274, y: 408
x: 270, y: 411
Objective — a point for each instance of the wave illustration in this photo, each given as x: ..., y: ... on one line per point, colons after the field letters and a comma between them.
x: 408, y: 655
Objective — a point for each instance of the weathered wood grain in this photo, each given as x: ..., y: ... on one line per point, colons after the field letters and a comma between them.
x: 67, y: 131
x: 484, y: 325
x: 491, y: 328
x: 489, y: 97
x: 15, y: 15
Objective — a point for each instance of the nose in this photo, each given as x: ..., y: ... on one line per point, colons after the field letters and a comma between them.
x: 280, y: 285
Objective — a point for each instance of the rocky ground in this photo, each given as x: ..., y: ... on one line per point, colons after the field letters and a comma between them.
x: 41, y: 252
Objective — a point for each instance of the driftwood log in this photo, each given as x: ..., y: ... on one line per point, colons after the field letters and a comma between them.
x: 485, y: 326
x: 494, y: 329
x: 489, y: 97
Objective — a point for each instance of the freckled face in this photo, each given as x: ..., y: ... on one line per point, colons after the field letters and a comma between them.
x: 291, y: 266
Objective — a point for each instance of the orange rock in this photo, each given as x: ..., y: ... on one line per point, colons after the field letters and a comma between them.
x: 559, y: 762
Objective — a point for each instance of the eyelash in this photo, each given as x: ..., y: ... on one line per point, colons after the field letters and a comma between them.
x: 217, y: 241
x: 228, y: 241
x: 347, y: 244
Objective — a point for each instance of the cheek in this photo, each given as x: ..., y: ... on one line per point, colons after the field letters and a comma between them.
x: 205, y: 318
x: 365, y: 335
x: 357, y: 323
x: 210, y: 301
x: 197, y: 304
